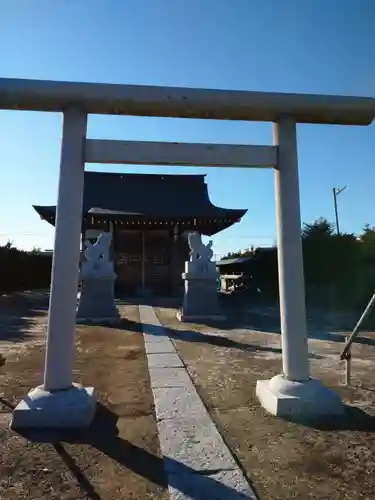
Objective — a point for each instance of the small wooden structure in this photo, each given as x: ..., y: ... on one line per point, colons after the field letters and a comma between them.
x: 148, y: 215
x: 233, y: 272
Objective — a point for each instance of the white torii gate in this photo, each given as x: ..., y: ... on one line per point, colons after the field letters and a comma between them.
x: 58, y: 402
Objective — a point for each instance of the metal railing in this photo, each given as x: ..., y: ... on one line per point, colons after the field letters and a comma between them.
x: 346, y: 353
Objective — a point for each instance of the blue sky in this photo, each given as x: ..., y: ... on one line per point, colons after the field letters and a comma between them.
x: 309, y: 46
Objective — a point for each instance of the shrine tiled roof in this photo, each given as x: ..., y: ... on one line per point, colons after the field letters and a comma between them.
x: 176, y: 197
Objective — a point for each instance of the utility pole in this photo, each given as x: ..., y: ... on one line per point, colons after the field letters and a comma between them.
x: 336, y: 192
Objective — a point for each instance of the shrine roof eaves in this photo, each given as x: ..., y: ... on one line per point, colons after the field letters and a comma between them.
x: 140, y: 196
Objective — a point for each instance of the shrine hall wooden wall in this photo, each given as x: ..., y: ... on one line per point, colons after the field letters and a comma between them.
x: 163, y: 260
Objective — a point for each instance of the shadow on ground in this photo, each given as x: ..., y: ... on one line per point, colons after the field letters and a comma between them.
x: 188, y: 336
x: 103, y: 435
x: 191, y: 336
x: 18, y: 312
x: 245, y: 313
x: 354, y: 419
x: 265, y: 318
x: 166, y: 302
x: 268, y: 324
x: 322, y: 324
x: 6, y: 404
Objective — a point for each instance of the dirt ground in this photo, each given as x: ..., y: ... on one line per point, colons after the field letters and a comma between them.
x: 22, y: 320
x: 118, y: 457
x: 283, y: 460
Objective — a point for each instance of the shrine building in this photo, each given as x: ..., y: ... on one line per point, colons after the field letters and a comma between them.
x: 148, y: 215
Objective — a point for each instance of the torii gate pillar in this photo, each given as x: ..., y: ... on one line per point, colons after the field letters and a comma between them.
x: 59, y: 403
x: 293, y: 394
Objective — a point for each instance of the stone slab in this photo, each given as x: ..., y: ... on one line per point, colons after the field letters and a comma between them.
x: 41, y: 409
x: 147, y: 317
x: 155, y: 338
x: 153, y: 331
x: 172, y: 402
x: 197, y: 462
x: 170, y: 377
x: 223, y: 485
x: 194, y: 442
x: 165, y: 346
x: 164, y: 360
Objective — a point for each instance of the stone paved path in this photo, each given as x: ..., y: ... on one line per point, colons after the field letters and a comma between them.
x: 197, y: 461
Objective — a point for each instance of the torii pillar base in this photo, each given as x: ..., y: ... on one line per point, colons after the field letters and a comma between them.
x: 309, y: 400
x: 66, y: 409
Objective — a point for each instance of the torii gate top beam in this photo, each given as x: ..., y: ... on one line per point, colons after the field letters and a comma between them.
x: 141, y: 100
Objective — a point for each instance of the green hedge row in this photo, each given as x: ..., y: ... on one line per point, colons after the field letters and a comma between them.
x: 21, y: 270
x: 339, y: 269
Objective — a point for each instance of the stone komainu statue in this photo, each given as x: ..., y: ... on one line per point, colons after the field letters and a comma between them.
x: 200, y: 254
x: 97, y: 263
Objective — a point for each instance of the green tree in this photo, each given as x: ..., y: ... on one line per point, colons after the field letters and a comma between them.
x: 367, y: 270
x: 331, y: 263
x: 367, y: 238
x: 318, y: 230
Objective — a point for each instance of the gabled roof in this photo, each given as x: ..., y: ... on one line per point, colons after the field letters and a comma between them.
x: 235, y: 260
x: 173, y: 197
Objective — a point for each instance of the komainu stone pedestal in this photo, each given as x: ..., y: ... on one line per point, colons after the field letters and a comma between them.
x: 97, y: 300
x: 200, y: 298
x: 201, y: 301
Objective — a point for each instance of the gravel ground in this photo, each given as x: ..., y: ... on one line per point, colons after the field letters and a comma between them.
x: 334, y: 460
x: 118, y: 457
